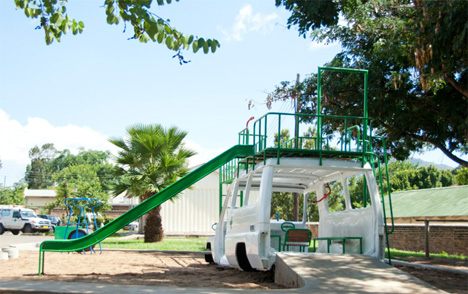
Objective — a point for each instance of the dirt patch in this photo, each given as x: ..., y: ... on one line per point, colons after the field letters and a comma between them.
x: 181, y: 270
x: 150, y: 269
x: 450, y: 282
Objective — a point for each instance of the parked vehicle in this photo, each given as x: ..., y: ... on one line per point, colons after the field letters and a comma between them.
x: 54, y: 220
x: 17, y: 219
x: 133, y: 226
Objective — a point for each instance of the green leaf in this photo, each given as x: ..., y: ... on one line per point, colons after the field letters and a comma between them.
x: 190, y: 39
x: 169, y: 42
x: 168, y: 29
x: 201, y: 42
x: 19, y: 4
x: 206, y: 48
x: 110, y: 9
x: 195, y: 46
x: 35, y: 12
x: 160, y: 37
x: 110, y: 19
x: 144, y: 38
x: 56, y: 18
x: 81, y: 24
x: 214, y: 45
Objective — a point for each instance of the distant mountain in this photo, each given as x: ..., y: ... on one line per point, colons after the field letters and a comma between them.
x: 421, y: 162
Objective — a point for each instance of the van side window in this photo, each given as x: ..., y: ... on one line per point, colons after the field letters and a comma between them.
x: 16, y: 214
x: 5, y: 212
x: 359, y: 191
x: 336, y: 199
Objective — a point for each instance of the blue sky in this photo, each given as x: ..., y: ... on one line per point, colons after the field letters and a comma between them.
x: 93, y: 86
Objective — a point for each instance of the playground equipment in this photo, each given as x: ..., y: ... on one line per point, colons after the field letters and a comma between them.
x: 80, y: 228
x: 245, y: 237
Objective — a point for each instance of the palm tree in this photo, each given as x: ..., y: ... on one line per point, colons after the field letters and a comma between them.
x: 150, y: 159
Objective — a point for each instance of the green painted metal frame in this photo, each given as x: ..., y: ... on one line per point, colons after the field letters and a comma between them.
x: 343, y: 239
x: 144, y: 207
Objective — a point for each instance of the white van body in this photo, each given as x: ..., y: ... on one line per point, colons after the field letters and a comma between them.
x: 246, y: 236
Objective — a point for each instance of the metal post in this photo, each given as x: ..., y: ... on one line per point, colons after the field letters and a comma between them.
x: 427, y: 228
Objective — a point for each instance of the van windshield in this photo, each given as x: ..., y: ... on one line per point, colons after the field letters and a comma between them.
x: 28, y: 213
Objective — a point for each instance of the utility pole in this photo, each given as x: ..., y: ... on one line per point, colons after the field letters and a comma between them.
x: 296, y: 143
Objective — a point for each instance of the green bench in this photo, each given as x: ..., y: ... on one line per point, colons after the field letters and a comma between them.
x: 343, y: 239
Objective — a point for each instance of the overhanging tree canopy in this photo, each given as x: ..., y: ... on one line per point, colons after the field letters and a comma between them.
x: 416, y: 55
x: 55, y: 21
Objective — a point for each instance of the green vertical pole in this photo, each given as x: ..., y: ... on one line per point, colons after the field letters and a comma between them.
x: 364, y: 136
x: 279, y: 139
x: 319, y: 112
x: 266, y: 132
x: 364, y: 148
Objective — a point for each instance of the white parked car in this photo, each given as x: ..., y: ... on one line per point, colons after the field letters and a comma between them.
x: 17, y: 219
x: 132, y: 227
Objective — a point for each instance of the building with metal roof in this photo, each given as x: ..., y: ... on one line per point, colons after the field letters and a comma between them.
x: 447, y: 203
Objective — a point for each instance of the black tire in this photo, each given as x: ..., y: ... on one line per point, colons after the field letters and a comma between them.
x: 2, y: 229
x: 27, y: 229
x: 79, y: 233
x: 15, y: 232
x: 209, y: 258
x: 242, y: 259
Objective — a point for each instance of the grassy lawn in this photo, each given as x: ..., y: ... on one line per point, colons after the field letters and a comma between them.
x: 169, y: 243
x: 198, y: 244
x: 403, y: 255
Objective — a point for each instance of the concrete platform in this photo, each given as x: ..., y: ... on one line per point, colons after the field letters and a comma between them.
x: 337, y: 273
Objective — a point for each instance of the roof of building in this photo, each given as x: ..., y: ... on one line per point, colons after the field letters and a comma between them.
x: 39, y: 193
x: 446, y: 201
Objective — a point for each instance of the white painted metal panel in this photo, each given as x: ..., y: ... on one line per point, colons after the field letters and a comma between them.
x: 194, y: 211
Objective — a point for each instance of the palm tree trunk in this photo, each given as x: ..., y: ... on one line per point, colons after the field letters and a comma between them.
x: 153, y: 227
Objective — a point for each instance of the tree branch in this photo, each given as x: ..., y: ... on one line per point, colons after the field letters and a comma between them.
x: 456, y: 85
x: 436, y: 144
x: 450, y: 155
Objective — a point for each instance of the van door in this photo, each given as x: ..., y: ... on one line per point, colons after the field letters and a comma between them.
x: 16, y: 221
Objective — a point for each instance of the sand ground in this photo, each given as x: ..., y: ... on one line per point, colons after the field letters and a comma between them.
x: 179, y: 270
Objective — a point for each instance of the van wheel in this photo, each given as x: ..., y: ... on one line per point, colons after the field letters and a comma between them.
x: 15, y: 232
x: 242, y: 259
x: 2, y: 229
x: 209, y: 258
x: 27, y: 229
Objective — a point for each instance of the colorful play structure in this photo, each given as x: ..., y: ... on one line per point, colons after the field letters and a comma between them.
x: 81, y: 227
x: 252, y: 172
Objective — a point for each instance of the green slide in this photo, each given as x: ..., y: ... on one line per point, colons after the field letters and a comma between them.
x: 145, y: 206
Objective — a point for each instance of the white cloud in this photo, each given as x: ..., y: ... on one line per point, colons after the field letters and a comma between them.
x: 246, y: 21
x: 18, y: 139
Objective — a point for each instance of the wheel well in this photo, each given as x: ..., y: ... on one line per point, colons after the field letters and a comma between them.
x: 242, y: 259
